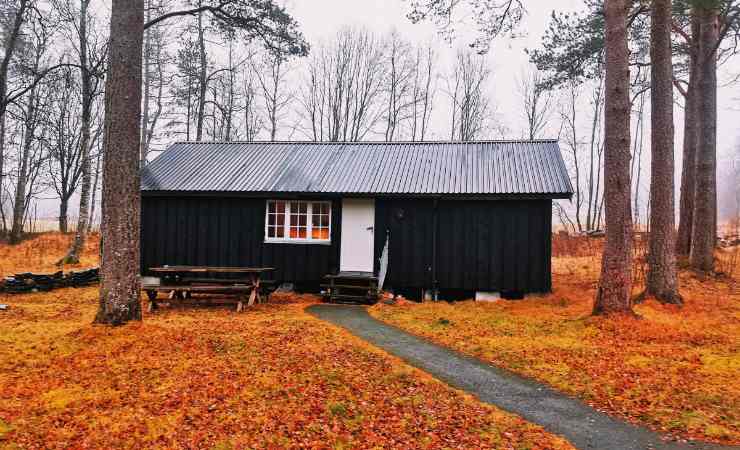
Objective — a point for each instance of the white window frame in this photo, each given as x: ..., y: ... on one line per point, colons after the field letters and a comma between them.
x: 286, y: 239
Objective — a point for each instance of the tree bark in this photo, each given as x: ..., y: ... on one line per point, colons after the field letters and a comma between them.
x: 10, y: 40
x: 615, y: 284
x: 690, y: 128
x: 147, y: 82
x: 94, y: 190
x: 2, y: 171
x: 20, y: 204
x: 703, y: 232
x: 73, y: 255
x: 63, y: 203
x: 202, y: 79
x: 662, y: 280
x: 119, y: 286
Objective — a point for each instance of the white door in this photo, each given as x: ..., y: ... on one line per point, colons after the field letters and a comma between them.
x: 358, y: 222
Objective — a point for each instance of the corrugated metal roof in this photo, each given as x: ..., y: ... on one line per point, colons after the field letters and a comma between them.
x: 455, y: 168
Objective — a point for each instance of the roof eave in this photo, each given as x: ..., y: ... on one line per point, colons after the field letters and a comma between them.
x: 300, y: 194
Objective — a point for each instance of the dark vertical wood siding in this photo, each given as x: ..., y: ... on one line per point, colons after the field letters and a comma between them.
x: 229, y: 231
x: 481, y: 245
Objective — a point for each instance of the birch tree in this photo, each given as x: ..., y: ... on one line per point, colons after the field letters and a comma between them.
x: 64, y: 166
x: 471, y: 107
x: 424, y: 90
x: 271, y: 73
x: 536, y: 100
x: 31, y: 155
x: 342, y: 96
x: 90, y: 52
x: 155, y: 79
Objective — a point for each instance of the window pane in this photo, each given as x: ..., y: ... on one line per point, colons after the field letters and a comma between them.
x: 298, y: 220
x: 320, y: 234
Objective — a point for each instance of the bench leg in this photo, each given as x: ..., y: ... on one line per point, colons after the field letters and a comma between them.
x: 239, y: 305
x: 252, y: 296
x: 255, y: 294
x: 152, y: 296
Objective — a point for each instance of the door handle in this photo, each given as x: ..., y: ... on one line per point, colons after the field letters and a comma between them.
x: 370, y: 228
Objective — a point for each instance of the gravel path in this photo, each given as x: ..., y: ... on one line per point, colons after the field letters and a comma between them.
x: 582, y: 425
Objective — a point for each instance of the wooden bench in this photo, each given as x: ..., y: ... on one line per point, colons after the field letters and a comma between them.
x: 182, y: 292
x: 183, y: 281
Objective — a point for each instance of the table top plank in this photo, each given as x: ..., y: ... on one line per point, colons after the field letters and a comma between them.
x: 210, y: 269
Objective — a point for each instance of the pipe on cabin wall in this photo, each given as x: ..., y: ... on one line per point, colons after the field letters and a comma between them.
x: 435, y: 283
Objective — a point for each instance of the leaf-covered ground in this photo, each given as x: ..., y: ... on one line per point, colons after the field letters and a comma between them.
x: 675, y: 370
x: 41, y: 253
x: 271, y: 377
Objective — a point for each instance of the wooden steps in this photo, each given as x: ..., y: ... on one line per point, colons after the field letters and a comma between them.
x: 351, y: 287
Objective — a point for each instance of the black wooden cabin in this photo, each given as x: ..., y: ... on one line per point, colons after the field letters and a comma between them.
x: 456, y: 217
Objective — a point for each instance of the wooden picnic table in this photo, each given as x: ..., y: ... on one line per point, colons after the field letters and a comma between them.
x: 183, y: 280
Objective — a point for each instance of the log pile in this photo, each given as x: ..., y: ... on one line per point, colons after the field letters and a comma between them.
x: 30, y: 282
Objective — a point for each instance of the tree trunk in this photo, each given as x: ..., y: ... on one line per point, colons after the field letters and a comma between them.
x: 703, y: 232
x: 147, y: 82
x: 615, y: 284
x: 690, y: 128
x: 78, y: 244
x: 10, y: 39
x: 20, y: 205
x: 91, y: 218
x: 63, y: 203
x: 119, y: 285
x: 2, y: 169
x: 662, y: 281
x: 202, y: 79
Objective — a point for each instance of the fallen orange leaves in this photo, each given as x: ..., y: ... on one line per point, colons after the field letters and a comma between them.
x: 41, y: 253
x: 271, y: 377
x: 676, y: 370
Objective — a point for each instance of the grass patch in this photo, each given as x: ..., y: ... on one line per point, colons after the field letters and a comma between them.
x: 673, y: 369
x: 271, y: 377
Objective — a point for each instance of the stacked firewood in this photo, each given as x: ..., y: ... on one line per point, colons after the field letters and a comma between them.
x: 30, y: 282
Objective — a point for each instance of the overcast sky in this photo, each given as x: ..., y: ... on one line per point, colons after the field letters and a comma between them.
x: 321, y: 19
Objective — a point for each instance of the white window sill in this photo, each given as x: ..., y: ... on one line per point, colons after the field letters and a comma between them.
x: 297, y: 241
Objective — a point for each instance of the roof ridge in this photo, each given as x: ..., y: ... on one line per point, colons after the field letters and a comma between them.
x: 482, y: 141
